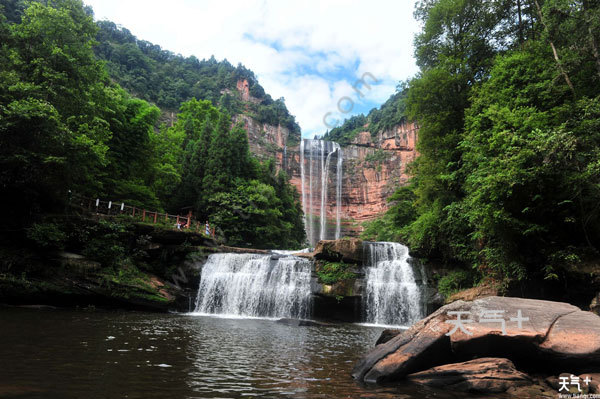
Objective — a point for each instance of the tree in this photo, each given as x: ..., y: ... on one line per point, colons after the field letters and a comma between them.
x: 53, y: 96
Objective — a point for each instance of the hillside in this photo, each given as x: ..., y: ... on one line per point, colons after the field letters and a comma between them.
x: 390, y: 114
x: 167, y: 79
x: 77, y: 116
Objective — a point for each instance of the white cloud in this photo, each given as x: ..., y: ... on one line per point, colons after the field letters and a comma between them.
x: 309, y: 52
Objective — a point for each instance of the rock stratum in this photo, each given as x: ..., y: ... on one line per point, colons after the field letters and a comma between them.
x: 556, y: 338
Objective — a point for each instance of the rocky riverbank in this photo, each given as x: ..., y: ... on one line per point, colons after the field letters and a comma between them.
x: 522, y: 346
x: 105, y: 263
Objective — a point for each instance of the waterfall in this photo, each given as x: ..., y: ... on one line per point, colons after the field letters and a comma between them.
x: 318, y: 155
x: 393, y: 296
x: 252, y: 285
x: 338, y: 193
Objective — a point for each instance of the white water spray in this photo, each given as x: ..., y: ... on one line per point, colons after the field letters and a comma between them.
x: 251, y: 285
x: 318, y: 154
x: 392, y: 294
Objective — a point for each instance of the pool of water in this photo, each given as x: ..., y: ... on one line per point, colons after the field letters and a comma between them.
x: 101, y: 354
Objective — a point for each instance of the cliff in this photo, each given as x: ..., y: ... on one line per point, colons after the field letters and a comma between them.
x: 374, y: 164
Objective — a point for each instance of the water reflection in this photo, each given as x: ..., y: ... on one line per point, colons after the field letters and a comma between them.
x: 78, y: 354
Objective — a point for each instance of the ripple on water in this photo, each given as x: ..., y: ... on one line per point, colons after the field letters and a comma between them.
x: 200, y: 357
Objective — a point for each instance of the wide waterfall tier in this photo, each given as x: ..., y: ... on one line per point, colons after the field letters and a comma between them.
x: 321, y: 178
x: 251, y: 285
x: 394, y: 287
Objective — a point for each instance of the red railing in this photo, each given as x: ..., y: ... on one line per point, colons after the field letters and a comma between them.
x: 114, y: 208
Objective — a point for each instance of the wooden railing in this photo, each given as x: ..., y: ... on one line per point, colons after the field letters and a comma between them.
x: 115, y: 208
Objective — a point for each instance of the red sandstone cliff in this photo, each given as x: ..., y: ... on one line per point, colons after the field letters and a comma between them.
x: 374, y: 165
x: 372, y: 170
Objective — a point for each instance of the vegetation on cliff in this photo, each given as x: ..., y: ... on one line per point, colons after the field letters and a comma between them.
x: 508, y: 103
x: 334, y: 272
x: 114, y: 261
x: 390, y: 114
x: 67, y: 127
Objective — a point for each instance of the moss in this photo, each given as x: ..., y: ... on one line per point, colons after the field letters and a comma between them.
x: 330, y: 273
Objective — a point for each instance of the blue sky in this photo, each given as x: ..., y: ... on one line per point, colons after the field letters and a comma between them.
x: 309, y: 52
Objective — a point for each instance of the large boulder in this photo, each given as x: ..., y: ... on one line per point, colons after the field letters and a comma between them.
x: 485, y: 375
x: 553, y: 337
x: 349, y: 250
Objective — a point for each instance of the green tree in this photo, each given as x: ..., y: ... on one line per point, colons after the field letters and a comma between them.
x: 52, y: 98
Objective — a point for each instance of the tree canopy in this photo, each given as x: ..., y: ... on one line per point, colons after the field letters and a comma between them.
x: 507, y: 100
x: 66, y: 126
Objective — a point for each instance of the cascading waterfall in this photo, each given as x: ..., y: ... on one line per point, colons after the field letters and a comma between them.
x: 315, y: 186
x: 251, y: 285
x: 338, y: 193
x: 393, y: 295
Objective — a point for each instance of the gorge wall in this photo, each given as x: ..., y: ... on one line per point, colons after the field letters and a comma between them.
x: 374, y: 166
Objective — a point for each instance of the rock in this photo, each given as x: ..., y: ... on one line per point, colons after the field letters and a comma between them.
x: 303, y: 323
x: 373, y: 167
x: 387, y: 335
x: 594, y: 384
x: 349, y: 250
x: 485, y: 375
x: 470, y: 294
x: 586, y: 387
x: 235, y: 250
x: 535, y: 391
x: 305, y: 255
x: 555, y: 336
x: 595, y: 304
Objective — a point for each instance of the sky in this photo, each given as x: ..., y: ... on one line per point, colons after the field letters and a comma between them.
x: 311, y: 53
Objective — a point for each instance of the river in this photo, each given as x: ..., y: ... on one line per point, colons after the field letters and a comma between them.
x: 47, y: 353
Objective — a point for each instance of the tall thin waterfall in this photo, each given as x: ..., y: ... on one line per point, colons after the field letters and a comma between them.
x: 252, y: 285
x: 317, y: 155
x: 394, y: 292
x: 338, y: 193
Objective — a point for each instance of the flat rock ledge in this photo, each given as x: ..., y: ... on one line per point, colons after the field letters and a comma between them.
x: 554, y: 337
x: 488, y: 374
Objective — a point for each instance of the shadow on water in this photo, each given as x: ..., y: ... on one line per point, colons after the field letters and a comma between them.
x: 97, y: 354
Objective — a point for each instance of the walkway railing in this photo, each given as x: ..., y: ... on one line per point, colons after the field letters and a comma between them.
x: 115, y: 208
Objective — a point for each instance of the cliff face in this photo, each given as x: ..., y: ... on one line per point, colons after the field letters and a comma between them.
x: 374, y: 165
x: 373, y: 169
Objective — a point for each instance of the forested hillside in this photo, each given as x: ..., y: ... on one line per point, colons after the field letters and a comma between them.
x: 166, y: 79
x: 67, y: 126
x: 390, y: 114
x: 508, y: 103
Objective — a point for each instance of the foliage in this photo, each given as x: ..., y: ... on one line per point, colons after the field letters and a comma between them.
x: 249, y: 203
x: 507, y: 100
x: 391, y: 113
x: 47, y: 235
x: 168, y: 80
x: 330, y: 273
x: 401, y: 212
x: 455, y: 281
x: 104, y: 243
x: 377, y: 157
x: 66, y: 127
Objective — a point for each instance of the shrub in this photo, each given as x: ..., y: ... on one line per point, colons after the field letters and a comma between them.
x: 333, y: 272
x: 455, y: 281
x: 47, y: 235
